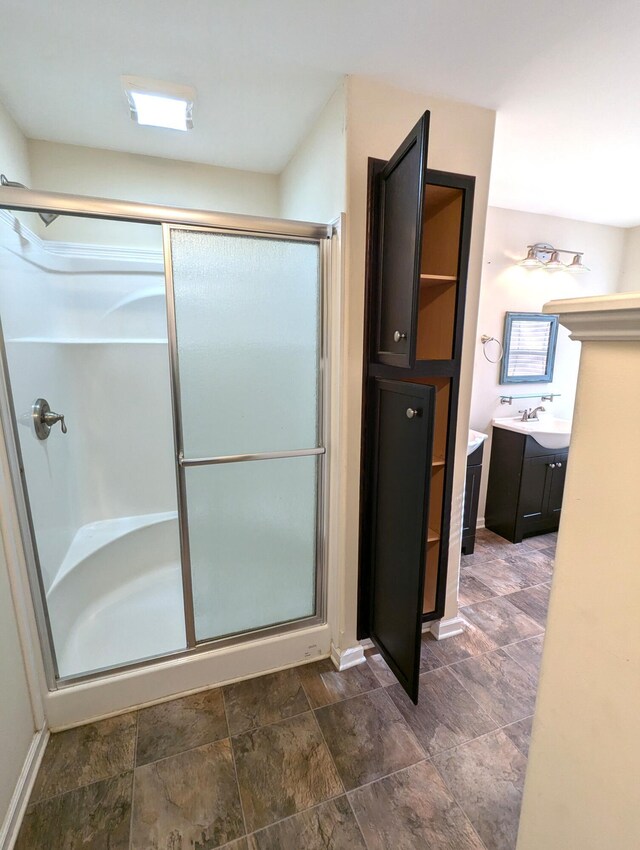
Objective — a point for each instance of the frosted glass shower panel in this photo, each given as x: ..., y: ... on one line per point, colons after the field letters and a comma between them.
x: 252, y: 535
x: 248, y: 329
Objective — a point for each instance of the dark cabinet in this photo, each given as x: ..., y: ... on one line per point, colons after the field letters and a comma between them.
x: 419, y: 230
x: 558, y: 473
x: 526, y: 485
x: 401, y: 455
x: 471, y: 500
x: 401, y: 190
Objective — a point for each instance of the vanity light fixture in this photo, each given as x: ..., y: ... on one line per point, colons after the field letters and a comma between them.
x: 531, y: 261
x: 545, y: 256
x: 554, y: 263
x: 576, y: 265
x: 153, y: 103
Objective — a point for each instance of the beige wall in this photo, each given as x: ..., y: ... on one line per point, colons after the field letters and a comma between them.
x: 508, y: 287
x: 582, y: 789
x: 14, y: 158
x: 313, y: 184
x: 630, y: 280
x: 16, y: 717
x: 378, y: 118
x: 147, y: 179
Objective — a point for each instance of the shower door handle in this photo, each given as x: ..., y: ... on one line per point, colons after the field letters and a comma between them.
x: 44, y: 419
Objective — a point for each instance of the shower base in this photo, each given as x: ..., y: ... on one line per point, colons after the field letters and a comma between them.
x: 117, y: 597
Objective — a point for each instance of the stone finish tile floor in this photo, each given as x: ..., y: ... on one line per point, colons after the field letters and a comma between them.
x: 313, y: 759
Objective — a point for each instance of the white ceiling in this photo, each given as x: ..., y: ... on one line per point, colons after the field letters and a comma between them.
x: 563, y: 76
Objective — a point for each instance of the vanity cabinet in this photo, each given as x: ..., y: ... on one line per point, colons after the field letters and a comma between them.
x: 418, y: 237
x: 471, y: 500
x: 526, y: 486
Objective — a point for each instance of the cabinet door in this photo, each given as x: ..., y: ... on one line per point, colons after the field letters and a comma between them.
x: 534, y: 488
x: 471, y: 494
x: 400, y: 214
x: 403, y: 439
x: 556, y: 485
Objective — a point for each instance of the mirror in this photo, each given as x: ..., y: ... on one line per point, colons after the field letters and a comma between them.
x: 529, y: 348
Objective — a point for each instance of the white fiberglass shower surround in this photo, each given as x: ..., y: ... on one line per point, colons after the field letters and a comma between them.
x: 182, y: 510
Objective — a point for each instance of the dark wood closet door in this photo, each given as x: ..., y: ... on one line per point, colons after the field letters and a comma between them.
x: 401, y: 196
x: 403, y: 438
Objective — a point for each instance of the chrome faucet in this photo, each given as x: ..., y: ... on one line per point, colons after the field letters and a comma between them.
x: 532, y: 414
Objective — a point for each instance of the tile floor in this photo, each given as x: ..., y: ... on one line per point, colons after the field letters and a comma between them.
x: 313, y: 759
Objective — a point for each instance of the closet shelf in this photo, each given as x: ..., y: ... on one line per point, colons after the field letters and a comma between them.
x: 437, y: 279
x: 432, y: 535
x: 437, y: 461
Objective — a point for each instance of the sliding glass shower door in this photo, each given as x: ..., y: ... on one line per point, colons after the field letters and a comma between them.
x: 245, y: 314
x: 172, y: 345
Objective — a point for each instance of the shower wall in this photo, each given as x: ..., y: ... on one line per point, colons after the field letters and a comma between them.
x: 85, y: 328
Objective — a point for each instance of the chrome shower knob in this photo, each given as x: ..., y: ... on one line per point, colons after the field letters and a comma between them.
x: 44, y: 419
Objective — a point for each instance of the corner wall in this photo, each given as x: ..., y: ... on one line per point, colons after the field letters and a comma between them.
x: 17, y: 725
x: 378, y: 119
x: 313, y: 184
x: 73, y: 169
x: 630, y: 279
x: 508, y: 287
x: 581, y: 789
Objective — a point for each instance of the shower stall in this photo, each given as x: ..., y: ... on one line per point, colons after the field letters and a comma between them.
x: 164, y: 377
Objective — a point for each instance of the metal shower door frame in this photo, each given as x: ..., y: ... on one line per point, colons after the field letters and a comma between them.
x: 183, y: 463
x: 30, y: 200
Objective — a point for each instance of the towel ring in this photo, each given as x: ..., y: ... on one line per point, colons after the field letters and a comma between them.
x: 484, y: 339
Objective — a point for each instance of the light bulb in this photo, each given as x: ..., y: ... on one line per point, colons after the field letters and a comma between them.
x: 576, y: 265
x: 531, y: 261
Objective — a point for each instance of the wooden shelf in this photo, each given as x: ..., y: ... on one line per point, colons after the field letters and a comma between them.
x: 437, y: 279
x: 432, y: 535
x: 438, y: 461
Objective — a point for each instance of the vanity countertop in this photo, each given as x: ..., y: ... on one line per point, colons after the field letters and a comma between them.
x: 549, y: 431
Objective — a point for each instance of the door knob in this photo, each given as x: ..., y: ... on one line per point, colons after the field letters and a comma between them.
x: 44, y: 419
x: 552, y: 466
x: 398, y: 335
x: 558, y: 465
x: 412, y: 412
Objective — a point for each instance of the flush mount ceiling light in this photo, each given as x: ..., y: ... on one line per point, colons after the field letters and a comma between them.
x: 153, y: 103
x: 545, y: 256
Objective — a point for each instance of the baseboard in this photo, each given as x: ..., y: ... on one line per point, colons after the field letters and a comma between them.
x: 345, y: 658
x: 24, y: 786
x: 442, y: 629
x: 480, y: 523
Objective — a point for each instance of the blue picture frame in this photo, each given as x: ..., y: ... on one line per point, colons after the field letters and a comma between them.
x: 529, y: 352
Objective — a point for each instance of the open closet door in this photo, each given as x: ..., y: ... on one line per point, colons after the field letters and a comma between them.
x: 403, y: 438
x: 401, y: 194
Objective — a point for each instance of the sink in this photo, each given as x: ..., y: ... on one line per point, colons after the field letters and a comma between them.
x: 549, y: 432
x: 476, y: 438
